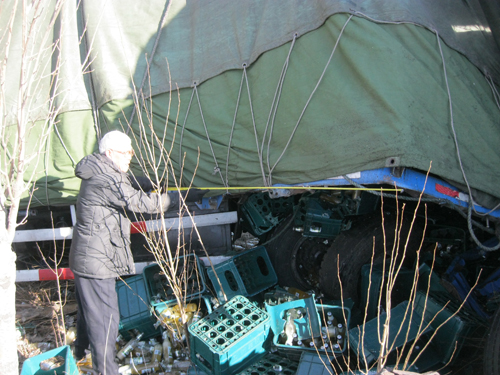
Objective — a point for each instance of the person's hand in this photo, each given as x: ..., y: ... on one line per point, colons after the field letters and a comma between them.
x: 141, y: 183
x: 193, y: 194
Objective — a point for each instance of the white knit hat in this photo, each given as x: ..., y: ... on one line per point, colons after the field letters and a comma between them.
x: 115, y: 140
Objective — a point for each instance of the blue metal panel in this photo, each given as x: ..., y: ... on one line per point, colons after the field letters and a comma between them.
x: 409, y: 180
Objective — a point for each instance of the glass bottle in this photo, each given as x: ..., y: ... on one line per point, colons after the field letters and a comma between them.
x: 289, y: 329
x: 124, y: 352
x: 299, y: 294
x: 167, y: 349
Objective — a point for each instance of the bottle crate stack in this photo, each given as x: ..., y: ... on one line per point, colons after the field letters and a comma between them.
x: 246, y: 274
x: 271, y: 364
x: 189, y: 274
x: 230, y: 338
x: 302, y: 325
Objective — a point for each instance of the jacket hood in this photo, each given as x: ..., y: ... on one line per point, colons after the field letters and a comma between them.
x: 93, y: 165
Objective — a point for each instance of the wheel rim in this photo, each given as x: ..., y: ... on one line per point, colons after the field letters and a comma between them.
x: 307, y: 256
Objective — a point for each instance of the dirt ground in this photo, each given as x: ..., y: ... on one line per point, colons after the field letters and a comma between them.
x: 41, y: 322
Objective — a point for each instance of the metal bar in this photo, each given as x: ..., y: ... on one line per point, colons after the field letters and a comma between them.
x: 66, y: 233
x: 67, y: 274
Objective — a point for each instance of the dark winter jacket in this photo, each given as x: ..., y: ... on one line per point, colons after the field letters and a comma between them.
x: 101, y: 237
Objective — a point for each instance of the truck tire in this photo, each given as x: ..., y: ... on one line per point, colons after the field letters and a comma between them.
x: 491, y: 359
x: 296, y: 259
x: 354, y: 248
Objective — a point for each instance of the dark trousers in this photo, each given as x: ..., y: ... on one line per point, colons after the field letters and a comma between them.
x: 97, y: 323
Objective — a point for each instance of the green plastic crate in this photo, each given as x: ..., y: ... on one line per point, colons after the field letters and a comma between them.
x: 158, y: 288
x: 304, y: 325
x: 261, y: 214
x: 271, y: 364
x: 450, y: 336
x: 404, y: 327
x: 245, y: 274
x: 370, y: 287
x: 32, y: 365
x: 314, y: 364
x: 135, y: 312
x: 317, y: 218
x: 230, y: 338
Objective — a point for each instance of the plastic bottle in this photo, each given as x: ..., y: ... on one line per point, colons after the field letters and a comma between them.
x: 167, y: 349
x: 124, y: 352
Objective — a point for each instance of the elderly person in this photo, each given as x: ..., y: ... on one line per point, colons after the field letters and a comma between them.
x: 100, y: 249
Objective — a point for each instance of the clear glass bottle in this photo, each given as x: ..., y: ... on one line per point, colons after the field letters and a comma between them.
x: 125, y: 351
x: 289, y: 329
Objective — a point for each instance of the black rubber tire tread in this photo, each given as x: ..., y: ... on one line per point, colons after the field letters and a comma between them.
x: 354, y: 247
x: 491, y: 359
x: 280, y: 247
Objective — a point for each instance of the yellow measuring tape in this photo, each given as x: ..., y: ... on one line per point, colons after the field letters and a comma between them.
x: 287, y: 188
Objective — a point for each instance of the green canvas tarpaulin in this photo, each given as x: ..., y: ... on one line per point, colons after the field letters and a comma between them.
x: 382, y: 95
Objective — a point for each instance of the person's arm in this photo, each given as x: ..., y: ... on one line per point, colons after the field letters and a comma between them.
x: 141, y: 183
x: 121, y: 193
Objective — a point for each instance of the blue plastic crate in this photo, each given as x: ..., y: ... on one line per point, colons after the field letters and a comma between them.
x: 230, y: 338
x: 32, y: 365
x: 135, y: 312
x: 190, y: 272
x: 304, y: 325
x: 245, y: 274
x: 271, y: 364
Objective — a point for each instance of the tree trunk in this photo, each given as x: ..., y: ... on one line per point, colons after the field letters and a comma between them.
x: 8, y: 335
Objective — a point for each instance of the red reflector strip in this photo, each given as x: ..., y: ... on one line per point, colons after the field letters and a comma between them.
x: 447, y: 191
x: 138, y: 227
x: 64, y: 274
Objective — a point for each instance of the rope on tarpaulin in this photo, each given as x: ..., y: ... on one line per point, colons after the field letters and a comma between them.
x: 274, y: 106
x: 267, y: 180
x: 470, y: 203
x: 272, y: 115
x: 216, y: 168
x: 308, y: 101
